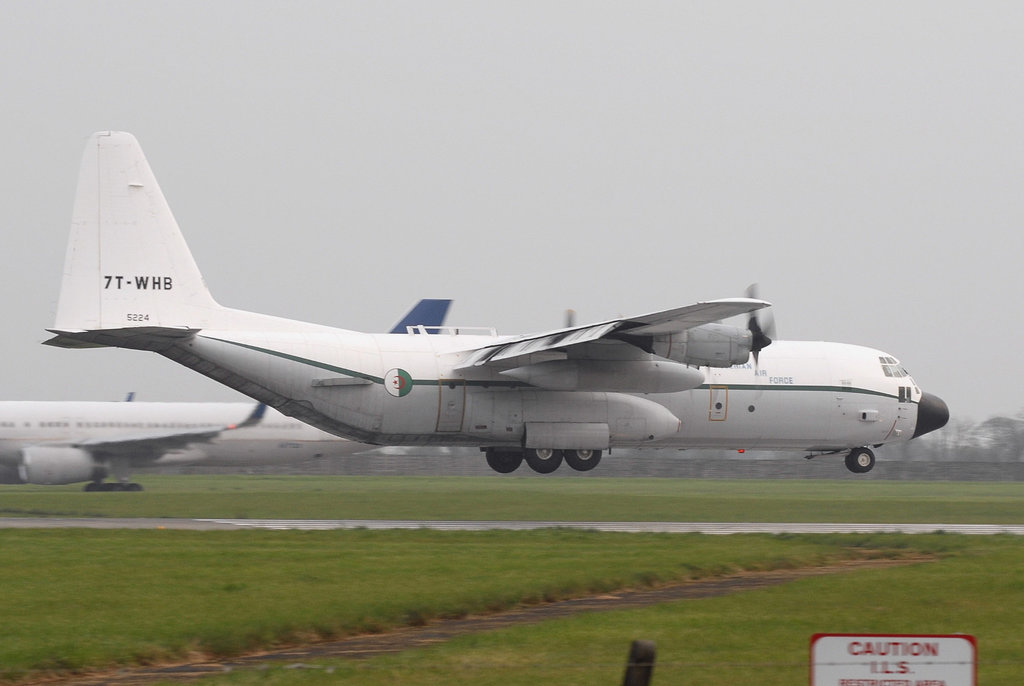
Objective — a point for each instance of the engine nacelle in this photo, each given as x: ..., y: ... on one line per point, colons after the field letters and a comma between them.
x: 708, y: 345
x: 617, y: 376
x: 52, y: 465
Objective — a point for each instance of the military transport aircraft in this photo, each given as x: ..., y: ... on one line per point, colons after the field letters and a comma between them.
x: 66, y: 442
x: 675, y: 378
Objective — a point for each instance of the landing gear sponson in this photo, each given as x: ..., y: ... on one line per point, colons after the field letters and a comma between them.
x: 541, y: 460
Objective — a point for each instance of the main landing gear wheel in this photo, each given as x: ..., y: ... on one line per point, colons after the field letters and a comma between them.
x: 543, y: 460
x: 582, y: 460
x: 504, y: 461
x: 860, y: 460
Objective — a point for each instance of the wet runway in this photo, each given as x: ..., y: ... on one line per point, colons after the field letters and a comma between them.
x: 455, y: 525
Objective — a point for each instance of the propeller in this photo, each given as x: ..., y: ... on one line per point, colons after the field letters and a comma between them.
x: 761, y: 325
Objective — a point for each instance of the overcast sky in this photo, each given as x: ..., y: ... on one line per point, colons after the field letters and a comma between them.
x: 336, y: 161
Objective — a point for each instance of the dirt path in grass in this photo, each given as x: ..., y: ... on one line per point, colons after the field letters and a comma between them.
x: 442, y: 630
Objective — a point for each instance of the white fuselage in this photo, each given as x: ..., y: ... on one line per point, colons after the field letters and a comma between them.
x: 801, y: 395
x: 130, y: 281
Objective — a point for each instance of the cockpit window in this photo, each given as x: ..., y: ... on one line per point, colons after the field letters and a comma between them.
x: 891, y: 367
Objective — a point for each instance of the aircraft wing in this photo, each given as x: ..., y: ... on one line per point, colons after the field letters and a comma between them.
x: 664, y: 322
x: 148, y: 446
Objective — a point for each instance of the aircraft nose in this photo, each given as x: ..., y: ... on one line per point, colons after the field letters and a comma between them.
x: 932, y: 414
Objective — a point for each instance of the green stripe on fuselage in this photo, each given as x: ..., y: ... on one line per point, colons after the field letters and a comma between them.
x: 788, y: 387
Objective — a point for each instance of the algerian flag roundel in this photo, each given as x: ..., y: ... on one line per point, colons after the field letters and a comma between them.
x: 397, y: 382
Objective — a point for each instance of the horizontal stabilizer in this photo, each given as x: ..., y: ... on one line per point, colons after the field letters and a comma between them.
x: 141, y: 338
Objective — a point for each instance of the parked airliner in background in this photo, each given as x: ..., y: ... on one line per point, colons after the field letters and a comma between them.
x: 66, y: 442
x: 676, y: 378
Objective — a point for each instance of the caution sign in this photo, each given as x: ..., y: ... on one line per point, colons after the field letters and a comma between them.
x: 894, y: 660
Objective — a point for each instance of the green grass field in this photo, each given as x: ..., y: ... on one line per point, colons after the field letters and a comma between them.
x: 82, y: 599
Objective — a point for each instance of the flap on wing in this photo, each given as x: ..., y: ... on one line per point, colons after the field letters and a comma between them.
x: 663, y: 322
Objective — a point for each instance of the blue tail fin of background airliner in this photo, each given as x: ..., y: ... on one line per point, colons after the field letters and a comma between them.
x: 428, y: 312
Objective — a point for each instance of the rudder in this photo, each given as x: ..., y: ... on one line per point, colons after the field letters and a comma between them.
x: 127, y: 263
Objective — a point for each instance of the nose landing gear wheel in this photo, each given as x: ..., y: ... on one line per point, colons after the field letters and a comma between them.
x: 860, y: 460
x: 582, y: 460
x: 543, y: 460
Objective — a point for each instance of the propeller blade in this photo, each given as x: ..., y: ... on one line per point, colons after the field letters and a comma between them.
x: 761, y: 325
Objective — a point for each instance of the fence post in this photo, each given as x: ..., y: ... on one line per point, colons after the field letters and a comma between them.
x: 640, y: 667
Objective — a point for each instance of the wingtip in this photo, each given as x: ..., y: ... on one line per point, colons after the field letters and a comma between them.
x: 255, y: 417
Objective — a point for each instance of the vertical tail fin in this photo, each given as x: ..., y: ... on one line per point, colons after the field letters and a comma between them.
x: 127, y: 264
x: 429, y: 312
